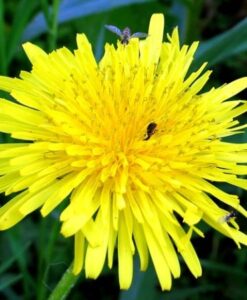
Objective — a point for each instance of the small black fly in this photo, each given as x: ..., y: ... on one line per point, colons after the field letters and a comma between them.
x: 151, y: 128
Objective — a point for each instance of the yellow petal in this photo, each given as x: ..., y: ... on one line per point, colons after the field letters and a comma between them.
x: 151, y: 47
x: 79, y: 246
x: 125, y: 259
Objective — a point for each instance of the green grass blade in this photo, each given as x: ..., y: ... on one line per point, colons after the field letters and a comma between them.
x: 3, y: 65
x: 53, y: 25
x: 6, y: 264
x: 23, y: 12
x: 46, y: 248
x: 45, y: 8
x: 9, y: 279
x: 16, y: 241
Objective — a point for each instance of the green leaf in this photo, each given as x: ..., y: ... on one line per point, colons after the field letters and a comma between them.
x: 223, y: 46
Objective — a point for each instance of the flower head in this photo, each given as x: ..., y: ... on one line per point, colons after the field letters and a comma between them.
x: 132, y: 142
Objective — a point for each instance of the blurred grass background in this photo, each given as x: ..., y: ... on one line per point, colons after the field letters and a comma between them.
x: 33, y: 255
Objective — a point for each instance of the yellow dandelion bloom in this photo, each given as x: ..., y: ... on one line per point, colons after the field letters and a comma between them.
x: 132, y: 142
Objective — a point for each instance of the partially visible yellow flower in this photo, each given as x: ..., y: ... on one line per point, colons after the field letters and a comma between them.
x: 134, y: 145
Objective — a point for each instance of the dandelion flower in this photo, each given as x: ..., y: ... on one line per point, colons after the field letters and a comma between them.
x: 134, y: 144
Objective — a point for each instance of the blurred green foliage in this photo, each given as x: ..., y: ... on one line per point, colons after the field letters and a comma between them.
x: 33, y: 253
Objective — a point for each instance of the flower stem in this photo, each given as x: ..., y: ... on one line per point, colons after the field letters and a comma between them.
x: 64, y: 286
